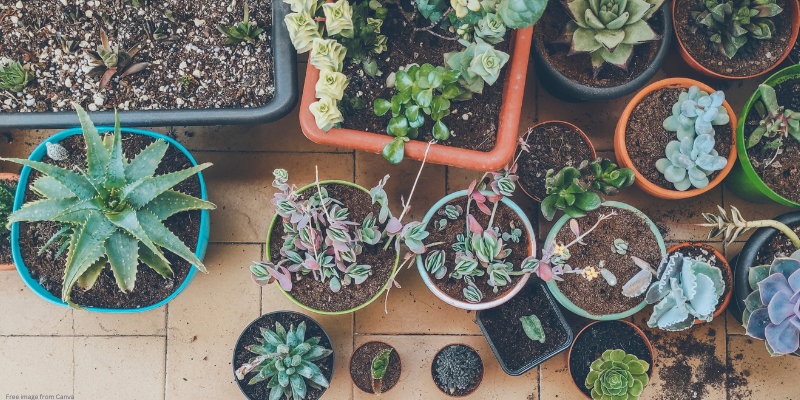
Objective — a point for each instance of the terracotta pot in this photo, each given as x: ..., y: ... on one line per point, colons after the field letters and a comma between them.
x: 621, y: 151
x: 636, y: 328
x: 350, y: 363
x: 503, y: 152
x: 483, y: 370
x: 725, y: 301
x: 5, y: 176
x: 792, y: 6
x: 569, y: 126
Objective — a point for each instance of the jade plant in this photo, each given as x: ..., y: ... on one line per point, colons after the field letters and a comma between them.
x: 286, y: 358
x: 6, y: 207
x: 113, y: 210
x: 533, y: 328
x: 109, y: 61
x: 15, y: 77
x: 777, y: 123
x: 575, y: 190
x: 246, y: 30
x: 617, y: 375
x: 736, y: 25
x: 609, y: 29
x: 772, y: 309
x: 378, y: 369
x: 687, y: 289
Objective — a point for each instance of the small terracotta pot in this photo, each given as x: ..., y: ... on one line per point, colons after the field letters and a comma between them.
x: 792, y: 6
x: 350, y: 363
x: 5, y: 176
x: 725, y: 301
x: 621, y: 151
x: 636, y: 328
x: 483, y: 370
x: 571, y: 127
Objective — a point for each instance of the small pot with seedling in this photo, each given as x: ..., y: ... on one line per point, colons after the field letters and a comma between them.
x: 283, y: 355
x: 375, y: 367
x: 735, y: 39
x: 600, y: 50
x: 8, y: 186
x: 679, y: 136
x: 457, y: 370
x: 131, y: 191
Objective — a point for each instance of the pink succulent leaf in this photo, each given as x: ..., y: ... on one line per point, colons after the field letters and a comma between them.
x: 261, y: 281
x: 494, y: 198
x: 573, y: 225
x: 485, y: 209
x: 545, y: 272
x: 471, y: 188
x: 474, y: 226
x: 394, y: 226
x: 284, y: 279
x: 478, y: 197
x: 784, y: 338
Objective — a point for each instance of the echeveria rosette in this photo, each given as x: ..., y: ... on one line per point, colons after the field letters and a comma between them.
x: 696, y: 112
x: 327, y: 54
x: 326, y: 113
x: 303, y: 30
x: 339, y: 18
x: 731, y: 24
x: 331, y: 84
x: 617, y: 375
x: 479, y: 62
x: 773, y: 309
x: 690, y: 161
x: 520, y: 14
x: 491, y: 28
x: 608, y: 29
x: 299, y: 6
x: 687, y: 289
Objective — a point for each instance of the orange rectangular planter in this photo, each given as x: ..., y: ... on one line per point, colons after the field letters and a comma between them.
x: 494, y: 160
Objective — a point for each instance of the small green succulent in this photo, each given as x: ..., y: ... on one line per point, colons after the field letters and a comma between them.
x: 777, y: 123
x: 6, y: 207
x: 620, y: 247
x: 533, y: 328
x: 108, y: 61
x: 15, y: 77
x: 477, y: 64
x: 731, y: 24
x: 434, y: 264
x: 378, y: 368
x: 288, y: 359
x: 362, y: 38
x: 491, y: 28
x: 574, y: 190
x: 244, y: 31
x: 617, y: 375
x: 520, y: 14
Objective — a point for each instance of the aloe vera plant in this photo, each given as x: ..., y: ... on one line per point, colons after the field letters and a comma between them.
x: 114, y: 209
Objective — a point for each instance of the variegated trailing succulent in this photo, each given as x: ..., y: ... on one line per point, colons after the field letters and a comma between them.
x: 112, y: 212
x: 488, y: 19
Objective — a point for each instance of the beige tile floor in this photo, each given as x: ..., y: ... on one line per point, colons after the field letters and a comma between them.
x: 183, y: 350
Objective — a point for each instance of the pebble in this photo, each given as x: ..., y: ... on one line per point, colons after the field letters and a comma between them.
x: 92, y: 107
x: 183, y: 65
x: 179, y: 101
x: 99, y: 99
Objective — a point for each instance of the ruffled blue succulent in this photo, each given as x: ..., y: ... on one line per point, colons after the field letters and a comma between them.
x: 696, y: 112
x: 690, y: 161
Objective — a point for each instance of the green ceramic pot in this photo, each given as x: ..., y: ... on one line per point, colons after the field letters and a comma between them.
x: 277, y: 218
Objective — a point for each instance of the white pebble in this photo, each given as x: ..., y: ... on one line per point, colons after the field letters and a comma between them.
x: 99, y: 99
x: 92, y: 107
x: 179, y: 101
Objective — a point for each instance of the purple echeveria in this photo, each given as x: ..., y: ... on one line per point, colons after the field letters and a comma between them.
x: 773, y: 309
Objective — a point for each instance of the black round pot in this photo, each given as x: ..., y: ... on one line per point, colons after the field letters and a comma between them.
x: 325, y: 341
x: 565, y: 89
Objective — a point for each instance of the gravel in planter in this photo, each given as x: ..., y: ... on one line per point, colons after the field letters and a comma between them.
x: 190, y: 66
x: 457, y: 370
x: 553, y: 146
x: 361, y: 367
x: 9, y: 187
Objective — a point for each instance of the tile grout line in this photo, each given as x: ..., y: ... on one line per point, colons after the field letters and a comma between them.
x: 166, y: 349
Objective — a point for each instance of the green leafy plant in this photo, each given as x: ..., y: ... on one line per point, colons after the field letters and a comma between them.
x: 287, y: 360
x: 574, y: 190
x: 609, y: 29
x: 379, y: 365
x: 731, y: 25
x: 114, y: 209
x: 617, y: 375
x: 477, y: 64
x: 186, y: 81
x: 777, y: 123
x: 14, y: 77
x: 109, y: 61
x: 243, y: 31
x: 6, y: 207
x: 363, y: 40
x: 533, y: 328
x: 425, y: 90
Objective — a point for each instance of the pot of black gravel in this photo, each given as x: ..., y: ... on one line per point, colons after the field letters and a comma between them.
x: 457, y: 370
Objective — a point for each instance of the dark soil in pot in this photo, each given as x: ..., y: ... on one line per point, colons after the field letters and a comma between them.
x: 783, y: 173
x: 151, y: 287
x: 361, y: 367
x: 260, y: 391
x: 749, y: 60
x: 223, y: 76
x: 5, y: 243
x: 778, y: 246
x: 504, y: 329
x: 473, y: 123
x: 599, y: 337
x: 553, y: 146
x: 319, y: 296
x: 646, y: 139
x: 794, y: 55
x: 597, y: 297
x: 705, y: 255
x: 578, y: 67
x: 505, y: 218
x: 457, y: 364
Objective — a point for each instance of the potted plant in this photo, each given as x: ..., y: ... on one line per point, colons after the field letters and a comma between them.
x: 283, y: 355
x: 457, y: 370
x: 386, y: 80
x: 663, y: 125
x: 8, y: 185
x: 525, y: 331
x: 375, y: 367
x: 794, y: 55
x: 736, y: 39
x: 768, y: 140
x: 607, y: 280
x: 607, y: 52
x: 120, y: 210
x: 160, y: 63
x: 623, y: 368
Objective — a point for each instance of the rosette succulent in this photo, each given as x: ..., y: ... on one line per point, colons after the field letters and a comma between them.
x: 479, y: 62
x: 690, y: 161
x: 777, y: 123
x: 772, y: 312
x: 491, y: 28
x: 243, y: 31
x: 108, y: 61
x: 326, y: 113
x: 731, y: 24
x: 327, y: 54
x: 520, y: 14
x: 339, y: 18
x: 608, y: 29
x: 303, y: 30
x: 14, y: 77
x: 617, y: 375
x: 331, y: 84
x: 287, y: 360
x: 687, y: 289
x: 696, y: 112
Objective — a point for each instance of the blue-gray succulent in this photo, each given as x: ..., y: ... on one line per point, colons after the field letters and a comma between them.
x: 690, y: 161
x: 696, y: 112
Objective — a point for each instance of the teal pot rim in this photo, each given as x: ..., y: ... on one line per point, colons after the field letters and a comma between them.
x: 463, y: 304
x: 789, y: 73
x: 567, y: 303
x: 277, y: 218
x: 36, y: 155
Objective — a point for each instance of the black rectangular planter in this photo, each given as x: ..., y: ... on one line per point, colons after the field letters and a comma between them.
x: 531, y: 365
x: 282, y: 103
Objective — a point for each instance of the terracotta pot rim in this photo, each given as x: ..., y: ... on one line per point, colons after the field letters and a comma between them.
x: 350, y: 363
x: 483, y: 370
x: 636, y: 328
x: 725, y: 265
x: 574, y: 128
x: 8, y: 176
x: 792, y: 5
x: 621, y: 150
